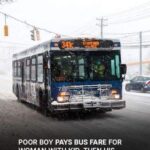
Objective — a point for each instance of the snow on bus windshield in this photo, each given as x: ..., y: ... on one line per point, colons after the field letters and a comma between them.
x: 85, y: 66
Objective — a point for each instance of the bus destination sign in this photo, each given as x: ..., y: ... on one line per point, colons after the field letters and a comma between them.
x: 93, y: 43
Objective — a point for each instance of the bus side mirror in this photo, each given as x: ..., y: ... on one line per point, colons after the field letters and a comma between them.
x: 123, y: 69
x: 48, y: 63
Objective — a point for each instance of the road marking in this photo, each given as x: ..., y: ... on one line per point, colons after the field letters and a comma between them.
x: 143, y: 103
x: 138, y: 94
x: 140, y: 102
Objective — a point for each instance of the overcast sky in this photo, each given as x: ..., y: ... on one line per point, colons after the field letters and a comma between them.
x: 69, y: 16
x: 72, y: 18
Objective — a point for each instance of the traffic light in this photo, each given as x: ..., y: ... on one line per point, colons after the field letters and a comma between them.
x: 57, y: 36
x: 37, y: 34
x: 33, y: 35
x: 5, y: 30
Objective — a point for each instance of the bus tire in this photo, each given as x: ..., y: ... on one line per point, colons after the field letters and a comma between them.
x: 42, y: 103
x: 18, y: 94
x: 143, y: 90
x: 128, y: 87
x: 40, y: 98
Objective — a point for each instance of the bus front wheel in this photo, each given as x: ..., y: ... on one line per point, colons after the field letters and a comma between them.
x: 43, y: 103
x: 18, y: 94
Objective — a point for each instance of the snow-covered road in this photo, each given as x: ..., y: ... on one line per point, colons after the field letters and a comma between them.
x: 6, y: 88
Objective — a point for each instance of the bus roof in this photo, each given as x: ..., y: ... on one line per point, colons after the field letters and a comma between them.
x: 37, y: 49
x: 70, y: 44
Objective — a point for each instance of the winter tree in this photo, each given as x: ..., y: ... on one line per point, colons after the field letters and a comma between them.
x: 6, y: 1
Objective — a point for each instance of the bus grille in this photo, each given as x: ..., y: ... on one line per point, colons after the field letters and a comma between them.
x: 88, y: 92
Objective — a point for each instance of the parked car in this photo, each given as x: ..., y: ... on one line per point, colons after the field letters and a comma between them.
x: 139, y: 83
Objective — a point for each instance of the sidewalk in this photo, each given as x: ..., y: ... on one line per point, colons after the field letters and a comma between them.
x: 6, y: 88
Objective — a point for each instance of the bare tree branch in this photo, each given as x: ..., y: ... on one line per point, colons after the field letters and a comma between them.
x: 6, y: 1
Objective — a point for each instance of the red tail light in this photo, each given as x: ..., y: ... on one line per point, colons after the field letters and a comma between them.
x: 148, y: 83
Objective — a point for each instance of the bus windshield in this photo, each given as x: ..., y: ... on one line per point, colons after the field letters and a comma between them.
x: 73, y: 66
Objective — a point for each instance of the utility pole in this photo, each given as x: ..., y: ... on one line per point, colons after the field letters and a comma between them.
x: 140, y: 39
x: 101, y: 25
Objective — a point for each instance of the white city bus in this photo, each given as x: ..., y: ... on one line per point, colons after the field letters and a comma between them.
x: 79, y: 74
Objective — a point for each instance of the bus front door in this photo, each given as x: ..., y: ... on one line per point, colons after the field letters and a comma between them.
x: 22, y: 81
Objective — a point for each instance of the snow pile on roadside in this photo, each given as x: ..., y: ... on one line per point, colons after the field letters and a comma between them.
x: 6, y: 87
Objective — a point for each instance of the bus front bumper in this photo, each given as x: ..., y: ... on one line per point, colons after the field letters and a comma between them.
x: 88, y: 105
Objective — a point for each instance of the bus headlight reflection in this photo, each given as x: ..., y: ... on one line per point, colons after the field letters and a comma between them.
x: 117, y: 96
x: 63, y: 97
x: 114, y: 94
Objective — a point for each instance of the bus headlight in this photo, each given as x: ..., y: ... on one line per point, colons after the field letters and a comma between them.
x: 114, y: 94
x: 63, y: 97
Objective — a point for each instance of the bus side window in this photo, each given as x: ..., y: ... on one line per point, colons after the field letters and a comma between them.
x: 19, y: 69
x: 28, y: 69
x: 33, y: 69
x: 40, y: 68
x: 117, y: 66
x: 113, y: 67
x: 14, y: 68
x: 81, y: 63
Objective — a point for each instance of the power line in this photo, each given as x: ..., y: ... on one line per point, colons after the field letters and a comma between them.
x: 128, y: 34
x: 46, y: 30
x: 28, y: 24
x: 86, y: 25
x: 85, y: 30
x: 136, y: 13
x: 13, y: 46
x: 18, y: 43
x: 129, y: 10
x: 130, y: 20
